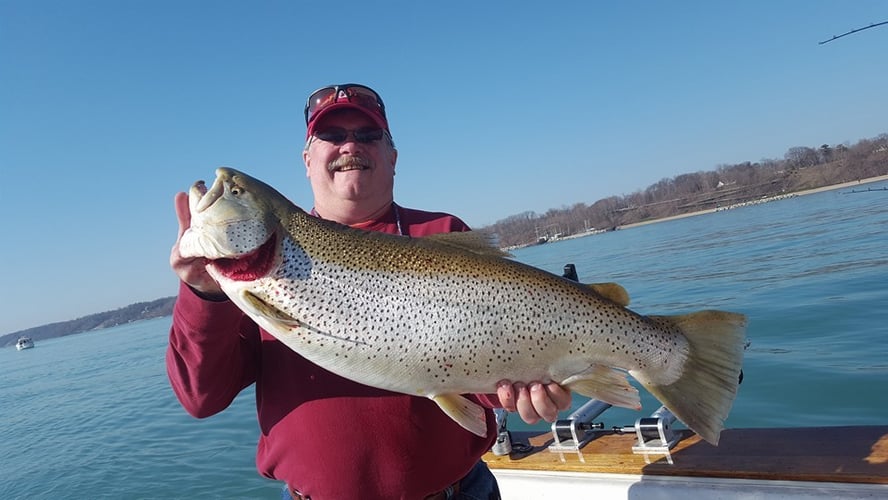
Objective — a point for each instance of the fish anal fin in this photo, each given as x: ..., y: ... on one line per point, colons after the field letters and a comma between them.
x: 605, y: 384
x: 470, y: 416
x: 612, y: 292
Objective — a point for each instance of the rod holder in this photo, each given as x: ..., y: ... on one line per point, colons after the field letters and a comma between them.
x: 578, y: 428
x: 655, y: 435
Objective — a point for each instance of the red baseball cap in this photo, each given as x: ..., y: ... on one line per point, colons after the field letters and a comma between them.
x: 344, y: 96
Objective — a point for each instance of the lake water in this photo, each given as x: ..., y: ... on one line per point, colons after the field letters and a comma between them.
x: 92, y: 415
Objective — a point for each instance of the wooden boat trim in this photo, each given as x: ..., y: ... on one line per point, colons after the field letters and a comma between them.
x: 854, y: 454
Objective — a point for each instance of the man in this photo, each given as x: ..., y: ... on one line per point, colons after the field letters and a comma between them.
x: 325, y: 436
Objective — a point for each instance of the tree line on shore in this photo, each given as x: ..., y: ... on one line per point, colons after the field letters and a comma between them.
x: 133, y: 312
x: 801, y: 168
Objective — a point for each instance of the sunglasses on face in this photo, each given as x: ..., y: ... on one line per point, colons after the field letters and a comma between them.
x: 338, y: 135
x: 357, y: 94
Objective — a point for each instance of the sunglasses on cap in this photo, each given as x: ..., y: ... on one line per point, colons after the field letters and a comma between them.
x: 360, y: 95
x: 338, y: 135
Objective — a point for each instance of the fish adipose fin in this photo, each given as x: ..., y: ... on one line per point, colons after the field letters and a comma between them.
x: 606, y: 384
x: 469, y: 415
x: 612, y: 292
x: 704, y: 393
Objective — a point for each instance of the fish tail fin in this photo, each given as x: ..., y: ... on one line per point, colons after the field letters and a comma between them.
x: 704, y: 393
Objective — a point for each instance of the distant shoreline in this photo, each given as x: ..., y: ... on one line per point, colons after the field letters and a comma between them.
x: 771, y: 198
x: 712, y: 210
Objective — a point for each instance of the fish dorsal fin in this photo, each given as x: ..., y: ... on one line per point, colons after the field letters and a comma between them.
x: 612, y: 292
x: 479, y: 242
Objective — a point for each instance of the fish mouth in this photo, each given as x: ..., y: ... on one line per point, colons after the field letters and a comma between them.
x: 200, y: 198
x: 249, y: 266
x: 226, y: 223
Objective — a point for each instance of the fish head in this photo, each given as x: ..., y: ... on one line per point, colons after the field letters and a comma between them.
x: 231, y: 219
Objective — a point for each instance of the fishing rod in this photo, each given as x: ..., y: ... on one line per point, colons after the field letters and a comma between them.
x: 853, y: 31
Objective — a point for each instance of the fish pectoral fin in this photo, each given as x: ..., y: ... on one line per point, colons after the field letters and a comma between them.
x: 606, y: 384
x: 470, y: 416
x: 259, y: 307
x: 612, y: 292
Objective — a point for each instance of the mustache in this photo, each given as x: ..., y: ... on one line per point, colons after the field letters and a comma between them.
x: 349, y: 162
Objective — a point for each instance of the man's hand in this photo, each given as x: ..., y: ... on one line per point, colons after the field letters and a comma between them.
x: 534, y: 401
x: 192, y: 271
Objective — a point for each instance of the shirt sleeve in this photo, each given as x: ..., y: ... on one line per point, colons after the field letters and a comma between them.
x: 212, y: 353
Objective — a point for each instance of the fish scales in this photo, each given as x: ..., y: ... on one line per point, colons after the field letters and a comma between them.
x: 446, y: 315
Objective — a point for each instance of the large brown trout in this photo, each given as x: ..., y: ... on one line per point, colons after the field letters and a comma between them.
x: 449, y: 314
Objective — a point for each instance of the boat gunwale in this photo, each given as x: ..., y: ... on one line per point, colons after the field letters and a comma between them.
x: 841, y: 454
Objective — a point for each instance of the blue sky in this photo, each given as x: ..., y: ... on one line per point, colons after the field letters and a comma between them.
x: 109, y: 107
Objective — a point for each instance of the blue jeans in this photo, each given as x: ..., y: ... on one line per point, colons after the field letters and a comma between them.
x: 479, y: 484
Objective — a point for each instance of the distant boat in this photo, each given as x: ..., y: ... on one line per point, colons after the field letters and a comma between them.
x: 24, y: 343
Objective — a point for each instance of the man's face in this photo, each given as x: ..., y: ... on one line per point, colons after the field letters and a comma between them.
x: 366, y: 170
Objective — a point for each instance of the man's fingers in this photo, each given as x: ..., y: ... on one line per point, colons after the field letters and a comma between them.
x: 560, y: 396
x: 506, y: 395
x: 524, y: 403
x: 533, y: 402
x: 183, y: 212
x: 543, y: 404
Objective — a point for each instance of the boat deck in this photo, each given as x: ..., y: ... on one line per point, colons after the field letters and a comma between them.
x: 856, y: 454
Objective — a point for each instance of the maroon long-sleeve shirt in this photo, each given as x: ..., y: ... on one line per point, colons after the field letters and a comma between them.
x: 322, y: 434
